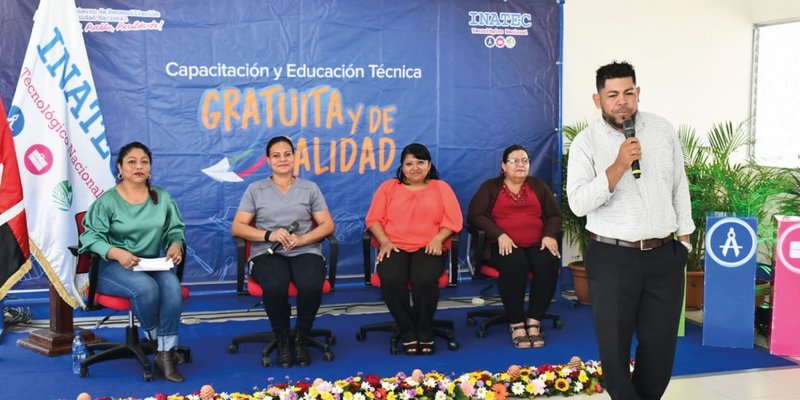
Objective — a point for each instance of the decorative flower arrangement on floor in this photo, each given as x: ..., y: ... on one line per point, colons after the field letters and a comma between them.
x: 575, y: 377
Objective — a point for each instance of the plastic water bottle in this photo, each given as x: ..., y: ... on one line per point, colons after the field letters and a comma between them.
x: 78, y: 353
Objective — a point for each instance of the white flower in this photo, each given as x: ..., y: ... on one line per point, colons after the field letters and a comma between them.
x: 404, y: 395
x: 308, y: 396
x: 388, y: 386
x: 430, y: 382
x: 578, y: 386
x: 440, y: 396
x: 412, y: 382
x: 359, y: 396
x: 518, y: 388
x: 337, y: 389
x: 481, y: 393
x: 367, y: 387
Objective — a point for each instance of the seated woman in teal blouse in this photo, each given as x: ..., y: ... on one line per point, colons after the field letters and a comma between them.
x: 134, y: 220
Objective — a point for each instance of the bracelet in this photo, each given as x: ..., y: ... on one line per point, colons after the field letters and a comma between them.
x: 266, y: 235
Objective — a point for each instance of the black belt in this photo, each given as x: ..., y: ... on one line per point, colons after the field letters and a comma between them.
x: 644, y: 245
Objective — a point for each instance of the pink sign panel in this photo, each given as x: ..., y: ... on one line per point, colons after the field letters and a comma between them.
x: 785, y: 318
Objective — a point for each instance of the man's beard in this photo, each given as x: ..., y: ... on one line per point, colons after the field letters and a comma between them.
x: 613, y: 122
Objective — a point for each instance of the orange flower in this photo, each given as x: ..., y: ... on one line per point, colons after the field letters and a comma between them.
x: 500, y: 391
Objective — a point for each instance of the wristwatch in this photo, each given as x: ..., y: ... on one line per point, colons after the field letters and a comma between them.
x: 687, y: 245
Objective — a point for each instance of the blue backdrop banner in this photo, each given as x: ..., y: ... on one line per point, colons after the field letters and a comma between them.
x: 206, y: 84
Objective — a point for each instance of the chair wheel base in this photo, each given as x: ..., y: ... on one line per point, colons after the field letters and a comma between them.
x: 266, y: 362
x: 187, y: 357
x: 148, y: 376
x: 233, y: 348
x: 361, y: 335
x: 453, y: 346
x: 84, y: 372
x: 328, y: 356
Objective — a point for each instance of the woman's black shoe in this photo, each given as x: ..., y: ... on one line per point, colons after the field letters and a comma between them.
x: 427, y: 348
x: 301, y: 347
x: 284, y: 352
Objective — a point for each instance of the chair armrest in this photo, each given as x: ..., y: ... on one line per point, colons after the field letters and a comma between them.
x: 454, y: 259
x: 241, y: 262
x: 366, y: 249
x: 333, y: 259
x: 94, y: 270
x: 477, y: 238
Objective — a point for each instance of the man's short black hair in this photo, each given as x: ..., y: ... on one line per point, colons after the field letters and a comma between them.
x: 614, y: 70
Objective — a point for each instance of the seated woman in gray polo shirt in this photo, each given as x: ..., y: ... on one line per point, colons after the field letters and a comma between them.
x: 275, y: 204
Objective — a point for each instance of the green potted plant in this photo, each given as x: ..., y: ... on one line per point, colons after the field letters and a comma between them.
x: 574, y: 227
x: 719, y: 184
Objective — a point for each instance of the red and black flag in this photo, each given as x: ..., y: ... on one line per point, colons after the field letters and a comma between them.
x: 14, y: 247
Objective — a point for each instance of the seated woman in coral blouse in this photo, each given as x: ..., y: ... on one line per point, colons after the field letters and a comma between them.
x: 412, y: 218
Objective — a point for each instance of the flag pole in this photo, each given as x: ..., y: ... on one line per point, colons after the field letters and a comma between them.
x: 56, y: 340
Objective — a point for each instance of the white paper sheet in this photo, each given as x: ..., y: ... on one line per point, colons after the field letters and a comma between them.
x: 154, y: 264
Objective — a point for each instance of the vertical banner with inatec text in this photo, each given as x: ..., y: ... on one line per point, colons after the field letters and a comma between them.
x: 729, y: 313
x: 60, y: 138
x: 785, y: 318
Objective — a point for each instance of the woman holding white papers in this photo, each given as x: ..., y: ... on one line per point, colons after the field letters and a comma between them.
x: 128, y: 223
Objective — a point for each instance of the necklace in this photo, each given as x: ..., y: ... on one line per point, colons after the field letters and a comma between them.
x: 516, y: 198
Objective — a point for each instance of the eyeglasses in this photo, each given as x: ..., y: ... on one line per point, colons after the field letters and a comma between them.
x: 515, y: 161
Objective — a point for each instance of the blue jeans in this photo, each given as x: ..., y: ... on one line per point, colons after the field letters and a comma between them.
x: 155, y: 296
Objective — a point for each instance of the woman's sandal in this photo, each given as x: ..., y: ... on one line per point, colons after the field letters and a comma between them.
x: 536, y: 338
x: 411, y: 348
x: 426, y: 348
x: 520, y: 341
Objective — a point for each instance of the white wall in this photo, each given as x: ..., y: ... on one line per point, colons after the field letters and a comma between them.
x: 692, y: 58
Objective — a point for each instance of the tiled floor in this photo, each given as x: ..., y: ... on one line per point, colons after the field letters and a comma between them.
x: 764, y: 384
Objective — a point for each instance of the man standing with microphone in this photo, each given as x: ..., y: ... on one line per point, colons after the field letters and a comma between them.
x: 639, y: 229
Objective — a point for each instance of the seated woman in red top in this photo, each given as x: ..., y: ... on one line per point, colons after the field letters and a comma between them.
x: 521, y: 219
x: 412, y: 217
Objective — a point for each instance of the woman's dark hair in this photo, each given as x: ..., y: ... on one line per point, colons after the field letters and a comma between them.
x: 124, y: 150
x: 509, y: 150
x: 421, y: 153
x: 278, y: 139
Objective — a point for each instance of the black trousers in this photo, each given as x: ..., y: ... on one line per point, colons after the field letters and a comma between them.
x: 422, y: 271
x: 274, y: 272
x: 642, y: 292
x: 514, y: 269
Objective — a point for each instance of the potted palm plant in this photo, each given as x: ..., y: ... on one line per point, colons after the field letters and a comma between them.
x: 574, y: 227
x: 717, y: 183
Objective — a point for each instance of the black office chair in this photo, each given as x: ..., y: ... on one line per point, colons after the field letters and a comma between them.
x: 133, y: 347
x: 441, y: 328
x: 479, y: 264
x: 255, y: 290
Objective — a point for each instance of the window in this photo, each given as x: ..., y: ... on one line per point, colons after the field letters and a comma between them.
x: 776, y: 95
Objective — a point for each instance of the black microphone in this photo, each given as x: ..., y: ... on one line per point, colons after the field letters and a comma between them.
x: 275, y: 245
x: 630, y: 131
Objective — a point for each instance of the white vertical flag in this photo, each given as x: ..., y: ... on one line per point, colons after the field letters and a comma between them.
x: 59, y: 135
